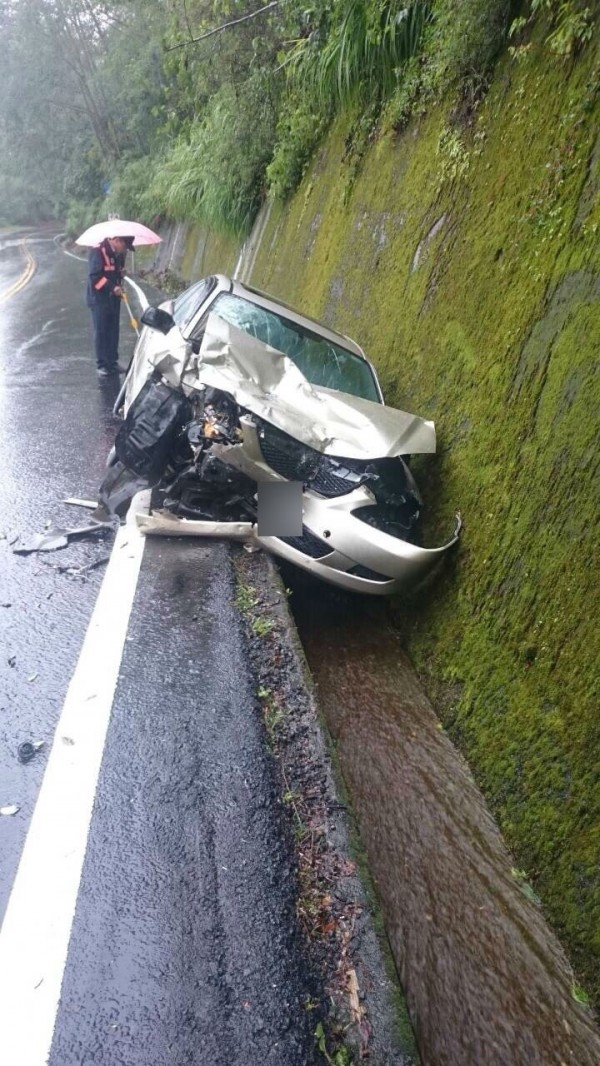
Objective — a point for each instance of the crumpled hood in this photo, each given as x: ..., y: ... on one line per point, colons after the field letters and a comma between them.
x: 270, y: 385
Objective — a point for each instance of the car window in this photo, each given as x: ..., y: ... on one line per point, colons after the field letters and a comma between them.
x: 188, y: 302
x: 321, y: 361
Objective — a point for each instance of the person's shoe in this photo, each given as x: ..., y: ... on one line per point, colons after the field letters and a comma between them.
x: 102, y: 372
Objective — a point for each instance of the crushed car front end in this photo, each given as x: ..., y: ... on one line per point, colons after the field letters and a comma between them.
x: 208, y: 422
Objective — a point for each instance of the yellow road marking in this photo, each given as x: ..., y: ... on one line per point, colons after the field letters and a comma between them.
x: 26, y: 276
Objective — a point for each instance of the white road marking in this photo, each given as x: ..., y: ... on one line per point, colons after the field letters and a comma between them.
x: 72, y: 255
x: 35, y: 934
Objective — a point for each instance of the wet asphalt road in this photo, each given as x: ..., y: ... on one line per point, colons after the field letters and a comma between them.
x: 56, y: 428
x: 182, y: 950
x: 183, y: 944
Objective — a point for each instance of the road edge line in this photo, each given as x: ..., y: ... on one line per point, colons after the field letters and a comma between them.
x: 36, y: 930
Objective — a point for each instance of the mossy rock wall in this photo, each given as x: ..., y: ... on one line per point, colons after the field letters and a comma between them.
x: 465, y: 258
x: 189, y: 252
x: 208, y: 253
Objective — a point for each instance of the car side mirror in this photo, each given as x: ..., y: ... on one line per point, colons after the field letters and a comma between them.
x: 158, y: 319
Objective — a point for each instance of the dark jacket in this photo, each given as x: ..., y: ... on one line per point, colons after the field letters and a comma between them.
x: 105, y: 271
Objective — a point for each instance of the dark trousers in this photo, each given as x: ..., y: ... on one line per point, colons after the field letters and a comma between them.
x: 105, y: 323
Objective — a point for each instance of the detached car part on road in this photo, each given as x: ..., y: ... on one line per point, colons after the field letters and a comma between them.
x: 229, y: 388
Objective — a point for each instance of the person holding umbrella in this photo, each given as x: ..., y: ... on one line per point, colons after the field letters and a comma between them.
x: 109, y: 243
x: 106, y: 263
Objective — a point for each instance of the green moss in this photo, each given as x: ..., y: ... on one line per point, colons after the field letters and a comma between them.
x: 208, y: 253
x: 469, y: 268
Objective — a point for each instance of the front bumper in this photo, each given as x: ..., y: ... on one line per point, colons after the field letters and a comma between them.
x: 357, y: 556
x: 349, y: 544
x: 377, y: 564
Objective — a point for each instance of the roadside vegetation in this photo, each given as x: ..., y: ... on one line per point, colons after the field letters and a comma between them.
x: 199, y: 109
x: 461, y: 249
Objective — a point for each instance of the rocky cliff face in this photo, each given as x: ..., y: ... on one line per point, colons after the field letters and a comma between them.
x: 463, y: 254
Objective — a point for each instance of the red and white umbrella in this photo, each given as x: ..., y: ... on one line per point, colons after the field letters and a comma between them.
x: 118, y: 227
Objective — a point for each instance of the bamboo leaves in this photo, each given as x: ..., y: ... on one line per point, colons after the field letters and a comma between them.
x: 364, y: 44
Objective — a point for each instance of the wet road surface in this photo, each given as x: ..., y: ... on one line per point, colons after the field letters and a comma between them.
x: 487, y: 983
x: 182, y: 947
x: 182, y: 950
x: 56, y: 429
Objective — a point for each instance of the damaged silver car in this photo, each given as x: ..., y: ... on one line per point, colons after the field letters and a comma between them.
x: 230, y: 389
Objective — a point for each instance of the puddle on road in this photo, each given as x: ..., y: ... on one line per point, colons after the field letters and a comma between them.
x: 486, y: 982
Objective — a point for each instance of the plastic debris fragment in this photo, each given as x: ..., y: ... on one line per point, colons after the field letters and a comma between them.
x: 53, y: 539
x: 76, y: 501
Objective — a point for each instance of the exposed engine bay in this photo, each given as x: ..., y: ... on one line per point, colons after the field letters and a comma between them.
x: 170, y: 438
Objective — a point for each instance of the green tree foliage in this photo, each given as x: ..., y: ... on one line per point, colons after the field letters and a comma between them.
x: 571, y: 25
x: 40, y: 109
x: 198, y: 108
x: 347, y: 53
x: 215, y: 173
x: 79, y: 81
x: 462, y: 43
x: 302, y: 120
x: 221, y: 112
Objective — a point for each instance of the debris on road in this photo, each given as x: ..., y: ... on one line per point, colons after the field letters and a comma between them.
x: 78, y: 571
x: 12, y: 808
x: 27, y: 750
x: 43, y: 542
x: 75, y: 501
x: 56, y: 538
x: 161, y: 523
x: 251, y: 548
